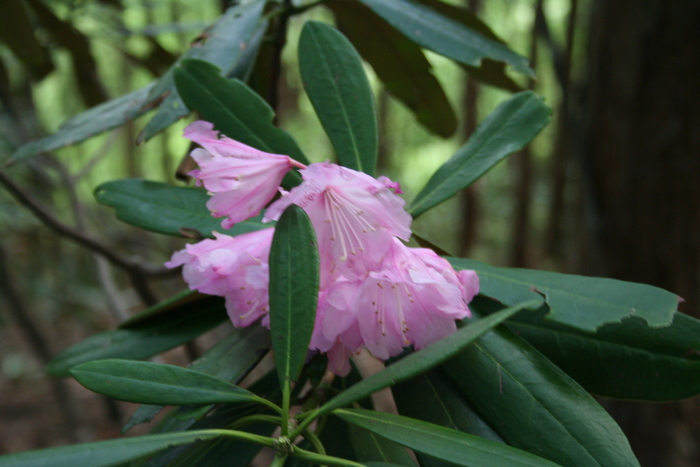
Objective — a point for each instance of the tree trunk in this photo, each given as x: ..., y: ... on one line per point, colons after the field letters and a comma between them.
x: 639, y: 149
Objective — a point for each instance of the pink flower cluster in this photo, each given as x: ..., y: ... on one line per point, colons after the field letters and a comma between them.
x: 375, y: 291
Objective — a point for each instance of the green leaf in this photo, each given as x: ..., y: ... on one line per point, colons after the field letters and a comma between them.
x: 433, y: 397
x: 156, y: 383
x: 440, y: 442
x: 510, y: 382
x: 229, y: 359
x: 167, y: 209
x: 220, y: 45
x: 294, y: 279
x: 583, y: 302
x: 221, y: 452
x: 628, y: 360
x: 399, y: 64
x: 443, y: 35
x: 234, y: 109
x: 144, y: 339
x: 489, y: 72
x: 90, y: 123
x: 338, y: 88
x: 507, y: 129
x: 104, y: 453
x: 424, y: 359
x: 370, y: 447
x: 233, y: 39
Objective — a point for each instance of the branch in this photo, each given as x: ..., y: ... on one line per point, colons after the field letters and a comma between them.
x: 132, y: 266
x: 279, y: 40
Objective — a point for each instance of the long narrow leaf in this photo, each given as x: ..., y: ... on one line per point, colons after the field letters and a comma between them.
x: 294, y: 280
x: 507, y: 129
x: 233, y: 108
x: 442, y: 35
x: 370, y: 447
x: 628, y: 360
x: 583, y: 302
x: 340, y: 93
x: 440, y: 442
x: 89, y: 123
x: 229, y: 359
x: 230, y: 44
x: 147, y: 338
x: 508, y: 381
x: 104, y: 453
x: 167, y: 209
x: 433, y: 397
x: 399, y: 63
x: 156, y: 383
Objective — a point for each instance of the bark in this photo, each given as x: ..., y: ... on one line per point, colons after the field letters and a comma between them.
x: 641, y: 166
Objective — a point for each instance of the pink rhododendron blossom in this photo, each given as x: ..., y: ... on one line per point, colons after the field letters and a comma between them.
x: 355, y: 217
x: 232, y: 267
x: 409, y: 301
x: 375, y: 291
x: 336, y: 331
x: 242, y: 178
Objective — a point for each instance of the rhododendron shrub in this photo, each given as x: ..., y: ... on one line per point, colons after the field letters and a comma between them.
x: 326, y: 295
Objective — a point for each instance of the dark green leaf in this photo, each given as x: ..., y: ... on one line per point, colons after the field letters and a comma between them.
x: 371, y: 447
x: 628, y: 360
x: 168, y: 309
x: 507, y: 129
x: 156, y: 383
x: 222, y: 452
x: 399, y: 64
x: 90, y: 123
x: 229, y: 359
x: 440, y: 442
x: 233, y: 39
x: 432, y: 397
x: 490, y: 72
x: 144, y: 339
x: 335, y: 437
x: 233, y: 108
x: 443, y: 35
x: 167, y: 209
x: 104, y: 453
x: 424, y: 359
x: 340, y: 93
x: 583, y: 302
x: 535, y: 406
x: 294, y: 279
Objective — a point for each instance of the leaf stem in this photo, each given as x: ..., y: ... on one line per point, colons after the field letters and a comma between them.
x: 315, y: 442
x: 285, y: 409
x: 255, y: 418
x: 323, y: 459
x: 307, y: 420
x: 278, y: 461
x: 271, y: 405
x: 243, y: 436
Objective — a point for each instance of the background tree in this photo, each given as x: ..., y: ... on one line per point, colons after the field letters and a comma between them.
x: 639, y: 154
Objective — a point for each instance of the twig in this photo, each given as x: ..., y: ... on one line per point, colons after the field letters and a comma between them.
x: 279, y: 40
x: 132, y: 266
x: 115, y: 304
